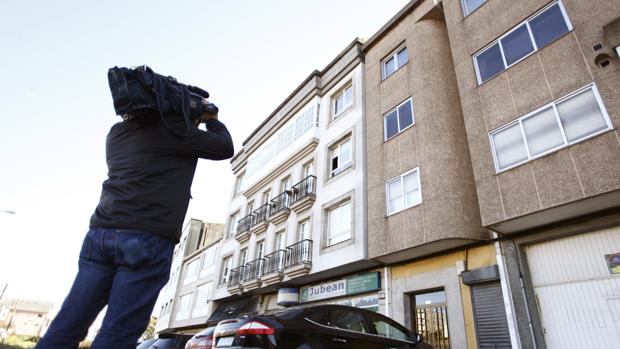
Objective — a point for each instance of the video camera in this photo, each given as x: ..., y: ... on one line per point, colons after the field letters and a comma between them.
x: 143, y: 94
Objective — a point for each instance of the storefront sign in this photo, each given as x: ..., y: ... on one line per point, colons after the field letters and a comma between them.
x: 288, y: 296
x: 362, y: 283
x: 613, y: 263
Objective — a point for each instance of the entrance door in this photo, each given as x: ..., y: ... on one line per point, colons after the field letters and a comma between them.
x: 576, y: 290
x: 430, y: 312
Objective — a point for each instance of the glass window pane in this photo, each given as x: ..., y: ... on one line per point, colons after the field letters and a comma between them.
x: 391, y: 124
x: 348, y: 96
x: 509, y: 146
x: 395, y: 196
x: 581, y: 116
x: 385, y: 329
x: 348, y: 320
x: 405, y: 115
x: 339, y: 104
x: 517, y: 44
x: 471, y: 5
x: 548, y: 26
x: 412, y: 189
x: 490, y: 62
x: 542, y: 132
x: 389, y: 66
x: 345, y: 152
x: 403, y: 57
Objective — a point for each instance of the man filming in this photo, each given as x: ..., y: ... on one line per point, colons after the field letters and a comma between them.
x: 126, y: 255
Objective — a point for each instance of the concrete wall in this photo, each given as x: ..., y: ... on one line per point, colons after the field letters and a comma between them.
x: 437, y: 142
x: 575, y: 173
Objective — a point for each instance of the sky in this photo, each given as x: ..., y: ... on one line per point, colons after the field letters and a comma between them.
x: 56, y: 108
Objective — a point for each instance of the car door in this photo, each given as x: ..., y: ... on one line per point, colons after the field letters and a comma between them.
x: 349, y: 329
x: 389, y: 333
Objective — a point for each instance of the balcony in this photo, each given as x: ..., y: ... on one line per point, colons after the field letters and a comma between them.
x: 260, y: 221
x: 273, y: 269
x: 298, y: 259
x: 303, y: 194
x: 252, y: 274
x: 235, y: 279
x: 280, y: 207
x: 243, y: 228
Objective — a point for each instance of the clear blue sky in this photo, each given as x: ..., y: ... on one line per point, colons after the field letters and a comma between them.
x: 56, y: 109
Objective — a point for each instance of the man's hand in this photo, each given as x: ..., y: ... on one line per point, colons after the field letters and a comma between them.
x: 205, y: 116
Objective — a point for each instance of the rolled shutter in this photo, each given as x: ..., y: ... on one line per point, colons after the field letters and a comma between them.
x: 490, y: 316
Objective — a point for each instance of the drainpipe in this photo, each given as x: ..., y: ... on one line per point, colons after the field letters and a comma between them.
x: 507, y: 295
x: 386, y: 289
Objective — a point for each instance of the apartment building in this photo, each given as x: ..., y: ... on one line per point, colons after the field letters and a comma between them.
x: 296, y: 226
x: 24, y: 317
x: 538, y: 82
x: 184, y: 303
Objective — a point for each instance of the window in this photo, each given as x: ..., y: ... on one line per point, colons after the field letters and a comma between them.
x: 266, y: 196
x: 260, y: 249
x: 403, y: 191
x: 285, y: 184
x: 249, y: 208
x: 232, y: 225
x: 394, y: 61
x: 308, y: 169
x: 191, y: 271
x: 243, y: 256
x: 398, y: 119
x: 341, y: 157
x: 238, y: 184
x: 343, y: 100
x: 339, y: 223
x: 388, y: 329
x: 280, y: 241
x: 431, y: 318
x: 527, y: 37
x: 470, y: 6
x: 559, y: 124
x: 209, y: 257
x: 304, y: 230
x: 347, y: 319
x: 225, y: 272
x: 184, y: 307
x: 203, y: 292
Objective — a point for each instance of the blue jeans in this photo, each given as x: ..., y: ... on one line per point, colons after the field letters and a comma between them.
x: 124, y: 269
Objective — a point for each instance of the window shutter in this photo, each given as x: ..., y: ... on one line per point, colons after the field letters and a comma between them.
x: 490, y: 317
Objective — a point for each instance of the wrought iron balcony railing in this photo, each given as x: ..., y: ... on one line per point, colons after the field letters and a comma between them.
x: 236, y: 276
x: 299, y: 253
x: 280, y: 202
x: 253, y: 270
x: 244, y: 224
x: 261, y: 214
x: 304, y: 188
x: 274, y: 262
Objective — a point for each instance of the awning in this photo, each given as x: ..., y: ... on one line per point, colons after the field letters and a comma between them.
x: 234, y: 308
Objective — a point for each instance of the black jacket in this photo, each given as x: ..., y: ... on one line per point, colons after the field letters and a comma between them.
x: 150, y: 172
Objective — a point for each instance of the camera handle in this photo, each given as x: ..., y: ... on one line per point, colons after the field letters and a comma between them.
x: 158, y: 91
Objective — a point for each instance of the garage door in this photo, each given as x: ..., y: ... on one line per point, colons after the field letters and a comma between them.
x: 577, y: 294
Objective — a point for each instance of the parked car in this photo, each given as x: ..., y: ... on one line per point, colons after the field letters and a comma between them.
x: 321, y: 326
x: 146, y: 343
x: 202, y: 339
x: 170, y: 341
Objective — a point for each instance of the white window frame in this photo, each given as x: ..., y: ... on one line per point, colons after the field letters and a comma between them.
x: 341, y: 166
x: 208, y: 258
x: 276, y: 246
x: 299, y: 230
x: 239, y: 183
x: 402, y: 188
x: 191, y: 277
x: 348, y: 85
x: 243, y: 259
x: 259, y: 251
x: 400, y: 130
x: 232, y: 224
x: 531, y: 36
x: 566, y: 144
x: 393, y: 54
x: 181, y: 313
x: 198, y: 309
x: 328, y: 236
x: 225, y: 277
x: 466, y: 10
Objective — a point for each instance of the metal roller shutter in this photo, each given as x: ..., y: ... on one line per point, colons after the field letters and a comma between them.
x: 490, y: 316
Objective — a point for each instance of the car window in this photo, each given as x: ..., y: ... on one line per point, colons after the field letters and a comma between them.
x: 346, y: 319
x: 387, y: 329
x: 319, y: 317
